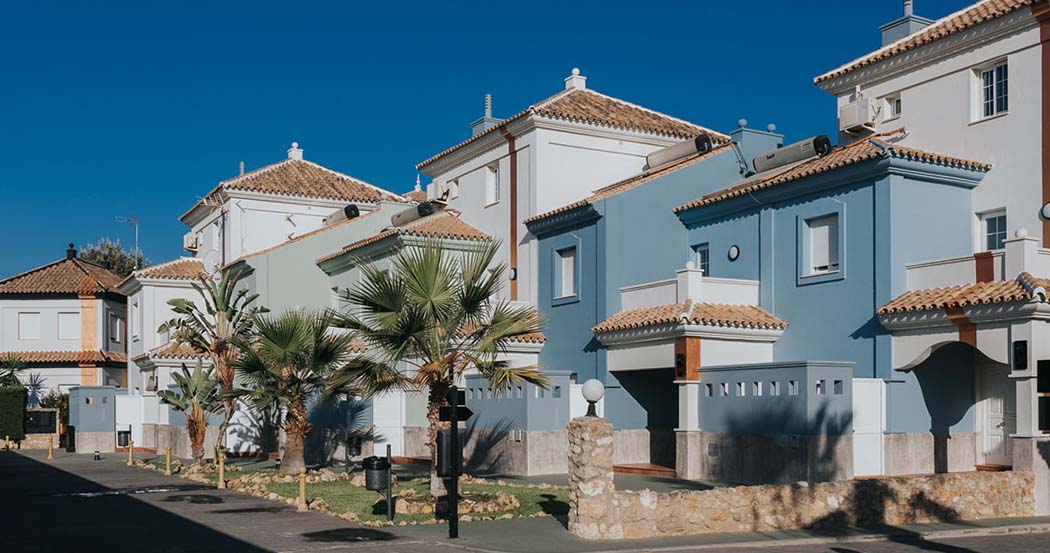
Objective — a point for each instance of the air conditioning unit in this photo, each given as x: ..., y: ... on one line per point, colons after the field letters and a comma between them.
x: 191, y: 241
x: 858, y: 116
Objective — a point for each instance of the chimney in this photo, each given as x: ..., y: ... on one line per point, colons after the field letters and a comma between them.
x: 577, y: 81
x: 71, y: 253
x: 242, y: 167
x: 689, y: 283
x: 905, y: 26
x: 487, y: 121
x: 295, y: 152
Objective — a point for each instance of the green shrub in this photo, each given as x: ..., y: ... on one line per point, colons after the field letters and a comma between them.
x: 12, y: 412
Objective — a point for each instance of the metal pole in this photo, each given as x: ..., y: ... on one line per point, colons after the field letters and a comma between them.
x: 389, y: 486
x: 137, y: 252
x: 453, y: 482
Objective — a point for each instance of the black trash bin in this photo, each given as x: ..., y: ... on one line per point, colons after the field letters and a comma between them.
x: 377, y: 473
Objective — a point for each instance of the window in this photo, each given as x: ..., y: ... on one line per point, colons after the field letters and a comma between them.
x: 994, y: 97
x: 709, y: 390
x: 518, y: 393
x: 29, y: 326
x: 114, y: 328
x: 566, y: 273
x: 453, y: 189
x: 892, y: 107
x: 492, y: 184
x: 69, y: 326
x: 823, y: 242
x: 556, y: 393
x: 994, y: 225
x: 792, y: 387
x: 838, y: 387
x: 702, y: 255
x: 821, y: 387
x: 756, y: 388
x: 136, y: 321
x: 724, y: 388
x: 774, y: 388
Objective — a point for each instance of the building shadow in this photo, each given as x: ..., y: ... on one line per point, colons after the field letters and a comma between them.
x: 486, y: 452
x: 332, y: 420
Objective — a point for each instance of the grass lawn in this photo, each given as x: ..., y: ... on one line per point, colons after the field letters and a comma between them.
x: 342, y: 497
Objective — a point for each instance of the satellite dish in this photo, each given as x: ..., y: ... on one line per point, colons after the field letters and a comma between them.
x: 211, y: 262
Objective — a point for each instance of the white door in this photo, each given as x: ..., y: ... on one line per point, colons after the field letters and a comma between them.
x: 1000, y: 416
x: 388, y: 412
x: 869, y: 421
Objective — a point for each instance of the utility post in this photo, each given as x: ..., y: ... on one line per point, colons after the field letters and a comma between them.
x: 453, y: 487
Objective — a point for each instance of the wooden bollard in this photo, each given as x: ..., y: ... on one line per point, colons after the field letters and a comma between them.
x: 131, y: 452
x: 167, y: 461
x: 7, y: 443
x: 50, y: 447
x: 222, y: 468
x: 302, y: 490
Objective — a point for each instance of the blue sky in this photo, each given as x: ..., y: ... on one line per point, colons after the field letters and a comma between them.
x: 139, y: 108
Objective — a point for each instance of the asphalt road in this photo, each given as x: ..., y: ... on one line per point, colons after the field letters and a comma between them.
x: 75, y: 504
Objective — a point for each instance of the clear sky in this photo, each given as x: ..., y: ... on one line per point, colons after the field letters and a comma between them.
x: 137, y: 109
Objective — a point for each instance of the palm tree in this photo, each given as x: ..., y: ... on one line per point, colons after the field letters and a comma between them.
x: 198, y: 399
x: 436, y: 314
x: 226, y: 316
x: 287, y: 363
x: 10, y: 366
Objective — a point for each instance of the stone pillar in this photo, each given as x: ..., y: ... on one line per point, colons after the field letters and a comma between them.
x: 1033, y: 455
x: 593, y: 510
x: 687, y: 435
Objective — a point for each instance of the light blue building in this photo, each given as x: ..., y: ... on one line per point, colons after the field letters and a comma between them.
x: 733, y: 319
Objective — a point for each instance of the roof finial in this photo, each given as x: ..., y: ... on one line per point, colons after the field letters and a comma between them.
x: 71, y: 253
x: 295, y: 152
x: 488, y: 105
x: 575, y: 80
x: 419, y: 186
x: 908, y: 10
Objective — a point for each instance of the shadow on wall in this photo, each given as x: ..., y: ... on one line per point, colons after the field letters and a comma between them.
x: 947, y: 379
x: 821, y: 450
x: 657, y: 395
x: 485, y: 448
x: 332, y: 421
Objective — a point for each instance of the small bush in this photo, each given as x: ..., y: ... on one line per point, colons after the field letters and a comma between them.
x: 12, y: 412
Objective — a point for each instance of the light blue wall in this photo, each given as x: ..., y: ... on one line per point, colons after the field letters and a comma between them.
x: 892, y: 212
x: 631, y: 238
x: 98, y: 416
x: 524, y: 406
x: 806, y: 413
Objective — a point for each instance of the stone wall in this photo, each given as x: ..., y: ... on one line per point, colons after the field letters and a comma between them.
x: 598, y: 511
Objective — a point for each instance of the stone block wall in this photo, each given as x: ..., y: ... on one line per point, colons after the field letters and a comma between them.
x: 598, y: 511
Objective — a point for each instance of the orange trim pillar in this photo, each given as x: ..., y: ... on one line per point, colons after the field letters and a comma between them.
x: 512, y: 149
x: 967, y: 330
x: 687, y: 358
x: 984, y: 267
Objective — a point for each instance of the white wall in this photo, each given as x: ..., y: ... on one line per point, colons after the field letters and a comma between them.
x: 48, y: 318
x: 936, y: 110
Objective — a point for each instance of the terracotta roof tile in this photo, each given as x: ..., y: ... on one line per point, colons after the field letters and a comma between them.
x: 531, y: 338
x: 171, y: 350
x: 591, y: 107
x: 416, y: 195
x: 644, y: 177
x: 857, y: 152
x: 71, y: 357
x: 962, y: 20
x: 185, y: 268
x: 295, y: 177
x: 708, y: 314
x: 65, y: 276
x: 444, y: 224
x: 1021, y: 289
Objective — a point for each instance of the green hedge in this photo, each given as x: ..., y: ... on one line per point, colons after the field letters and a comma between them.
x: 12, y: 412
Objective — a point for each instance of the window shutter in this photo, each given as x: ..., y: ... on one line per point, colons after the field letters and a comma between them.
x: 818, y: 245
x: 568, y: 272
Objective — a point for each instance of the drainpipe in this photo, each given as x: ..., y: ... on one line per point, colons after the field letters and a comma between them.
x: 1041, y: 11
x: 512, y: 150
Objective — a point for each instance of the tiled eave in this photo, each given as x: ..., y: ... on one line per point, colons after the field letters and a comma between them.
x: 667, y: 332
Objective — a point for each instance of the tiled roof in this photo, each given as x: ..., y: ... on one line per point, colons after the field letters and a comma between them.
x: 296, y: 177
x: 590, y: 107
x: 857, y: 152
x: 632, y: 182
x: 959, y: 21
x: 73, y: 356
x: 531, y: 338
x: 417, y: 195
x: 65, y: 276
x: 708, y: 314
x: 1021, y: 289
x: 444, y: 224
x: 171, y: 350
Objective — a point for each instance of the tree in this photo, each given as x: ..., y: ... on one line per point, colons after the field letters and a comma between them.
x: 212, y: 329
x: 197, y: 399
x: 113, y: 256
x: 10, y: 366
x: 289, y: 362
x: 436, y: 314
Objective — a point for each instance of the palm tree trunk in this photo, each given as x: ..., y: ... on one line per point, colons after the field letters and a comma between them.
x: 296, y: 427
x: 437, y: 397
x: 225, y: 374
x: 196, y: 428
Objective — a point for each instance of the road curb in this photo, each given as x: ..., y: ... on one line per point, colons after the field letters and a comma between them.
x: 924, y: 536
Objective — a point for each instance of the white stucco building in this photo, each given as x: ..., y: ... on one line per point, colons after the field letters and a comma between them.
x: 65, y: 320
x: 553, y: 153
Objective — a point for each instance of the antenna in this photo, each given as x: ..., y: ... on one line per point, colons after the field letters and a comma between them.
x: 134, y: 221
